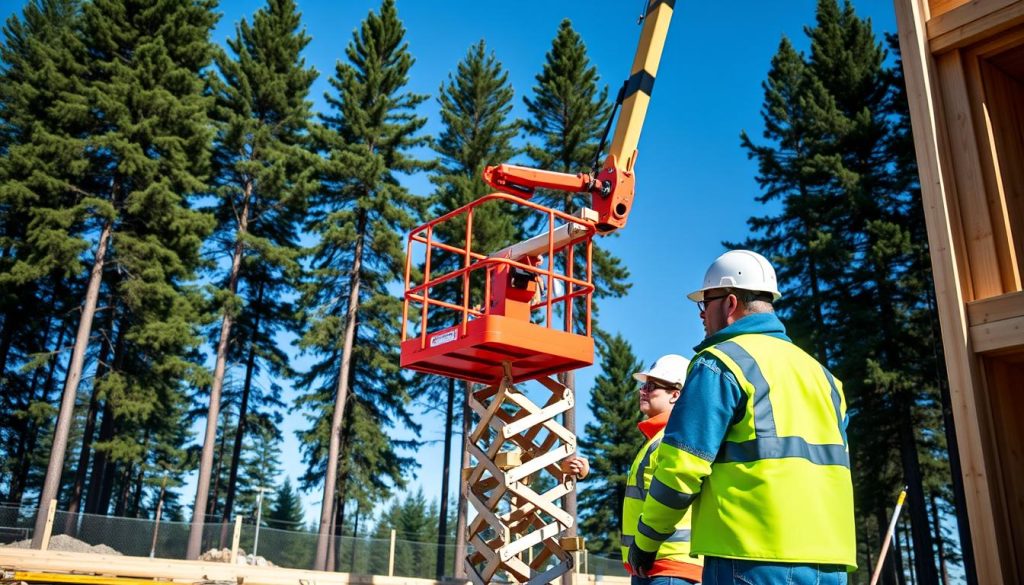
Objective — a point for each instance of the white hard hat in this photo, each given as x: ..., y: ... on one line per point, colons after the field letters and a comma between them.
x: 741, y: 269
x: 669, y: 368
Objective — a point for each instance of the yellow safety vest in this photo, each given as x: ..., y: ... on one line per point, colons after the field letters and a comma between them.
x: 780, y: 487
x: 677, y: 548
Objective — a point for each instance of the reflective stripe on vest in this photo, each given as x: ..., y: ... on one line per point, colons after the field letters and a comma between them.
x: 675, y: 546
x: 768, y: 445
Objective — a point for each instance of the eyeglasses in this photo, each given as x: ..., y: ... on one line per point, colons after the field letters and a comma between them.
x: 703, y: 305
x: 650, y: 386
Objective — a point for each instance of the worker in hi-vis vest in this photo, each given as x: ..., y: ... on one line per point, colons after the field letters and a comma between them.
x: 756, y: 444
x: 659, y: 390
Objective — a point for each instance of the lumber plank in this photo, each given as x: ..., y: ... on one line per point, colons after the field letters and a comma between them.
x: 184, y: 571
x: 982, y: 252
x: 972, y: 23
x: 998, y: 335
x: 994, y: 309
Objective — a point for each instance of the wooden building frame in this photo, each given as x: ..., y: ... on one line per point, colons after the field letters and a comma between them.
x: 964, y: 66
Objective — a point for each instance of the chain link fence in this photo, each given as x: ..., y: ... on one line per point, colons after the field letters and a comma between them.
x: 141, y: 537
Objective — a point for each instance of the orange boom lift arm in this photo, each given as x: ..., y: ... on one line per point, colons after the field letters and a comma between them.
x: 499, y: 318
x: 611, y: 185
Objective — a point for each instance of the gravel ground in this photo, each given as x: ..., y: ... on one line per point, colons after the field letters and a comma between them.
x: 64, y: 542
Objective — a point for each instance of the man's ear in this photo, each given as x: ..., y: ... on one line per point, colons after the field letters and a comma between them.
x: 735, y: 310
x: 675, y: 396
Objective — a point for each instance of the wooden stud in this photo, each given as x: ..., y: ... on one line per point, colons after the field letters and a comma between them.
x: 48, y: 529
x: 572, y: 543
x: 235, y: 536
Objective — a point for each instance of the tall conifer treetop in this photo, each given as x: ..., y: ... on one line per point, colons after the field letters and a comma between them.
x: 360, y: 217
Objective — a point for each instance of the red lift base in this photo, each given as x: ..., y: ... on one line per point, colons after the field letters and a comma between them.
x: 533, y: 350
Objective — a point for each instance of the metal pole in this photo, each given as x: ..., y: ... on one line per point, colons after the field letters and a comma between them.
x: 259, y: 514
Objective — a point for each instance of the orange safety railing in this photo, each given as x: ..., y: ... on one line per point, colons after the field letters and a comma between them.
x: 581, y: 232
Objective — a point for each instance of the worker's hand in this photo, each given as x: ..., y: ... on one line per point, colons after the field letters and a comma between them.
x: 641, y: 561
x: 578, y: 466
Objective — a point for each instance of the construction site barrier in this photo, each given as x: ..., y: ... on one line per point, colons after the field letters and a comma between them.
x: 294, y: 549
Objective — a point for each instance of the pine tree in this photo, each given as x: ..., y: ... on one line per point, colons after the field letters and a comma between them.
x: 359, y: 217
x: 263, y: 174
x: 140, y: 148
x: 414, y: 521
x: 568, y: 114
x: 476, y: 103
x: 611, y: 443
x: 849, y: 246
x: 40, y: 229
x: 285, y: 513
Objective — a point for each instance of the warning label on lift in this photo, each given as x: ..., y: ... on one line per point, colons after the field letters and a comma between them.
x: 443, y: 338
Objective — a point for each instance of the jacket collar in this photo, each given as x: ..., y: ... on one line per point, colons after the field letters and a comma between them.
x: 651, y: 426
x: 763, y: 323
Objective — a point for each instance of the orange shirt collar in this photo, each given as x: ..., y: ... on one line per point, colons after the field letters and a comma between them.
x: 653, y: 425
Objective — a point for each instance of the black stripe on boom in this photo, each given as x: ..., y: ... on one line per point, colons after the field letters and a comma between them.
x: 654, y: 4
x: 639, y: 81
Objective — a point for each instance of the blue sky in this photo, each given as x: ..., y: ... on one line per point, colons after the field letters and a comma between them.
x: 695, y: 186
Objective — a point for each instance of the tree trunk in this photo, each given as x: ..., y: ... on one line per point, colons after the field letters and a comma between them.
x: 28, y: 442
x: 212, y: 511
x: 60, y: 436
x: 913, y: 557
x: 243, y: 412
x: 195, y: 533
x: 13, y: 321
x: 355, y: 536
x: 342, y: 393
x: 107, y: 489
x: 90, y: 425
x: 939, y: 541
x: 461, y: 524
x: 442, y: 523
x: 135, y: 509
x: 124, y: 485
x: 336, y: 521
x: 924, y: 559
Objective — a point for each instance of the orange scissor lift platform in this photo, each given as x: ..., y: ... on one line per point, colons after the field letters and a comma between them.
x: 527, y: 305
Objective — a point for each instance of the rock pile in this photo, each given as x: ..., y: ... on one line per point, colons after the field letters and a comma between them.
x: 63, y: 542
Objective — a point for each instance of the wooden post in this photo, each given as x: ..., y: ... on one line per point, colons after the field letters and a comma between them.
x: 48, y: 528
x: 391, y: 555
x: 235, y: 538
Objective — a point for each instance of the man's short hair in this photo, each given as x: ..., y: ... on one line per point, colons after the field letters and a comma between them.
x: 754, y: 301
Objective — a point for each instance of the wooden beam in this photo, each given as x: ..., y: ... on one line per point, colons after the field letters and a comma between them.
x: 983, y: 254
x: 961, y: 365
x: 974, y: 72
x: 998, y: 336
x: 994, y: 309
x: 972, y: 23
